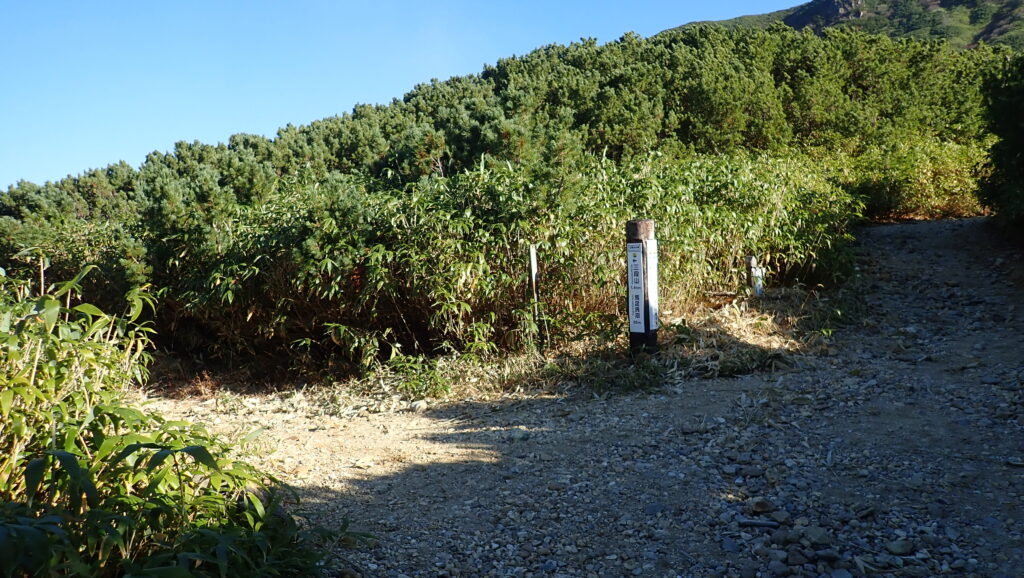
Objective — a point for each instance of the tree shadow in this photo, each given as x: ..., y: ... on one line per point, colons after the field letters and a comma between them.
x: 523, y: 491
x: 606, y: 480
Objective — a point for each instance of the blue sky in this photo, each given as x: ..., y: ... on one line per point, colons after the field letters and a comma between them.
x: 88, y: 84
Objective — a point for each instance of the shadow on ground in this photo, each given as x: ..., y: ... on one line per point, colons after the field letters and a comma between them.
x: 630, y: 469
x: 897, y: 454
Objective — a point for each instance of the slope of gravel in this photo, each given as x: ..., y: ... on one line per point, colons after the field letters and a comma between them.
x: 901, y: 453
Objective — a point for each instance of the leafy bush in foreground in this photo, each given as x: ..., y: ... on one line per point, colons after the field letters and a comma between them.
x: 90, y: 487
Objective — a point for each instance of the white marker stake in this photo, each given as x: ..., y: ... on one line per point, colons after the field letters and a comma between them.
x: 651, y: 256
x: 755, y: 276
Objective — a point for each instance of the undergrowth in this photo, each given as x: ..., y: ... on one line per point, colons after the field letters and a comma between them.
x: 348, y: 277
x: 92, y: 487
x: 728, y: 334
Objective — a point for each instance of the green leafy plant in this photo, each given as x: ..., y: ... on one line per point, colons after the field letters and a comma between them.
x: 92, y: 487
x: 911, y: 175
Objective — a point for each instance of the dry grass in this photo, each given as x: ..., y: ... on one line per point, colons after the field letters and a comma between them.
x: 727, y: 334
x: 732, y: 334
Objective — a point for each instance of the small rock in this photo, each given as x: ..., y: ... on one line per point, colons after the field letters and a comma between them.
x: 759, y: 505
x: 900, y: 547
x: 731, y: 546
x: 990, y: 522
x: 795, y: 558
x: 827, y: 555
x: 818, y: 536
x: 654, y: 508
x: 751, y: 472
x: 519, y: 435
x: 841, y: 573
x: 748, y: 570
x: 865, y: 513
x: 778, y: 568
x: 780, y: 536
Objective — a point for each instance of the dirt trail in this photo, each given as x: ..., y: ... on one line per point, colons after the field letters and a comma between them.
x: 901, y: 453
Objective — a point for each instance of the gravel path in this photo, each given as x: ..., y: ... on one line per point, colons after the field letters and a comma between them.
x: 900, y: 453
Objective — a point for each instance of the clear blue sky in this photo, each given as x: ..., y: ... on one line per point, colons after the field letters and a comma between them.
x: 87, y: 84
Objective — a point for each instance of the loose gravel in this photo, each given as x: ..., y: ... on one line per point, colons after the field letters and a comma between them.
x: 899, y: 452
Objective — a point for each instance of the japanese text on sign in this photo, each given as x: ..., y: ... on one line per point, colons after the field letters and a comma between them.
x: 635, y: 273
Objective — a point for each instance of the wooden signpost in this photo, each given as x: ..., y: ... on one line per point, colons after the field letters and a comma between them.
x: 642, y: 281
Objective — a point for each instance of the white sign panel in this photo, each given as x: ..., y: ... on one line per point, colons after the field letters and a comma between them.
x: 652, y: 283
x: 635, y: 281
x: 533, y: 265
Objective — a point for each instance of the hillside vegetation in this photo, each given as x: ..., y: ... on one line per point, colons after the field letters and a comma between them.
x: 1004, y: 188
x: 401, y: 230
x: 962, y: 23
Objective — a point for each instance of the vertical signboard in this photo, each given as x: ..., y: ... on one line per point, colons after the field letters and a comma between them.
x: 642, y: 283
x: 635, y: 271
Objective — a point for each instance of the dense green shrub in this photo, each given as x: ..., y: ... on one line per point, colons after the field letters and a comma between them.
x: 91, y: 487
x: 90, y: 219
x: 349, y: 271
x: 923, y: 177
x: 401, y: 230
x: 1004, y: 191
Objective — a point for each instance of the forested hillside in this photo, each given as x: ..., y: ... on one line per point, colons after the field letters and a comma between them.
x: 962, y: 23
x: 400, y: 229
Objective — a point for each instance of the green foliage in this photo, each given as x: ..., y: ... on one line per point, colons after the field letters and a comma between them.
x: 89, y: 219
x: 401, y: 230
x: 962, y: 23
x: 91, y: 487
x: 347, y: 273
x: 1004, y: 190
x: 924, y: 178
x: 414, y: 376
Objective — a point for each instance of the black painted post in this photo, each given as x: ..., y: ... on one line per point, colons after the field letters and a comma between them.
x: 642, y: 281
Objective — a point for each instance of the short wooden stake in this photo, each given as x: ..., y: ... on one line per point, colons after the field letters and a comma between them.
x: 755, y: 276
x: 642, y: 281
x: 535, y: 296
x: 533, y: 273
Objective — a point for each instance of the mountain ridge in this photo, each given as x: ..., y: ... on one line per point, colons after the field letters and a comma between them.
x: 963, y: 23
